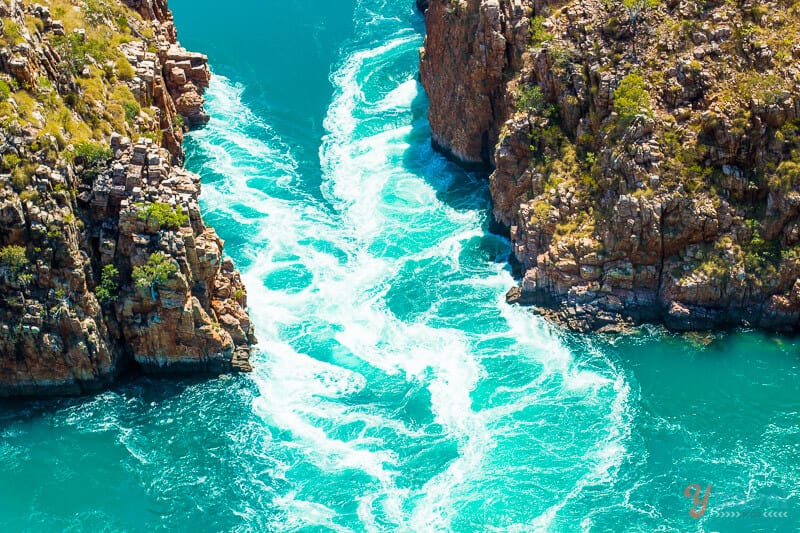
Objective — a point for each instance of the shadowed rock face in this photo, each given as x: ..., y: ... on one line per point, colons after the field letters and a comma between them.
x: 643, y: 159
x: 469, y: 47
x: 105, y: 260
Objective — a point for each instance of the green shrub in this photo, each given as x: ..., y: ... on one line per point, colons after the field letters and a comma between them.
x: 34, y: 24
x: 791, y: 254
x: 122, y: 23
x: 93, y: 153
x: 541, y: 211
x: 125, y: 70
x: 612, y: 25
x: 631, y: 99
x: 635, y: 7
x: 759, y: 253
x: 531, y: 99
x: 5, y: 90
x: 13, y: 261
x: 11, y: 31
x: 785, y: 177
x: 97, y: 12
x: 163, y: 215
x: 29, y: 196
x: 156, y: 271
x: 10, y: 162
x: 714, y: 267
x: 640, y: 4
x: 76, y: 51
x: 131, y: 111
x: 539, y: 34
x: 109, y: 286
x: 54, y: 231
x: 155, y: 136
x: 21, y: 175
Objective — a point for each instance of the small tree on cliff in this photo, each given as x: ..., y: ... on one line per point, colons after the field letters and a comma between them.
x: 531, y: 99
x: 631, y: 99
x: 635, y: 8
x: 92, y: 157
x: 13, y: 261
x: 163, y: 215
x: 155, y: 272
x: 109, y: 287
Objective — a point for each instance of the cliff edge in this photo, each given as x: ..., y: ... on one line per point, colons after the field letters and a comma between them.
x: 645, y: 155
x: 105, y: 262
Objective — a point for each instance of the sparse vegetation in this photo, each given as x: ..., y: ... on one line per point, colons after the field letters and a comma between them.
x: 531, y: 99
x: 539, y: 35
x: 13, y: 260
x: 109, y: 285
x: 163, y: 215
x: 92, y: 154
x: 632, y: 99
x: 131, y: 111
x: 78, y: 51
x: 155, y: 272
x: 5, y: 90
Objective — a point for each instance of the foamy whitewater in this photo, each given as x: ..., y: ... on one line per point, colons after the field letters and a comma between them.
x: 394, y: 389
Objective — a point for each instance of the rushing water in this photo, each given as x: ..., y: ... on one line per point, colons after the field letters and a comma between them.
x: 394, y: 390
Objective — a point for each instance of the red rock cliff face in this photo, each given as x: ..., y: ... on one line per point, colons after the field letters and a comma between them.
x: 105, y: 261
x: 470, y: 47
x: 644, y: 158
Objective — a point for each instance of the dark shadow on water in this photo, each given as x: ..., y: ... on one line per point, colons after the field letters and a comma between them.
x: 466, y: 190
x: 144, y: 391
x: 458, y: 188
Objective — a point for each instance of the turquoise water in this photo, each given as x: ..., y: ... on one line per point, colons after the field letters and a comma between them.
x: 395, y: 390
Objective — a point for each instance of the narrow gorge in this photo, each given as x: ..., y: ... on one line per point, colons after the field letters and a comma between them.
x: 343, y: 149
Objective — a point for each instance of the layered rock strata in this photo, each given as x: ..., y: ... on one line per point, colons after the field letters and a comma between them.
x: 105, y: 262
x: 644, y: 155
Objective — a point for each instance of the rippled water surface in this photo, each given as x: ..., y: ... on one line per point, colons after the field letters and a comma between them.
x: 394, y: 390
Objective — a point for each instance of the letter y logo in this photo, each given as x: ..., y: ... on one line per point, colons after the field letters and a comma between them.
x: 693, y: 491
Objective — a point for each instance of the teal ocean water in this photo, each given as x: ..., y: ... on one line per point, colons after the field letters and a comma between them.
x: 394, y: 389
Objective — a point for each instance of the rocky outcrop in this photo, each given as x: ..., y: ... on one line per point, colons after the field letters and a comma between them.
x: 174, y: 79
x: 194, y: 318
x: 105, y: 262
x: 643, y: 155
x: 469, y: 47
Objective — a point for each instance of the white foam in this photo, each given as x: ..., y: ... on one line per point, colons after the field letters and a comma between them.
x: 302, y: 513
x: 401, y: 97
x: 378, y: 203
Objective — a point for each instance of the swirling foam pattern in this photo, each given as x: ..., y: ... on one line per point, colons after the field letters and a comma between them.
x: 394, y: 389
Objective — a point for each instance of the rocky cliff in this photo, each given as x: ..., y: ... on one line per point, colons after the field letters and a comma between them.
x: 105, y: 262
x: 645, y: 155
